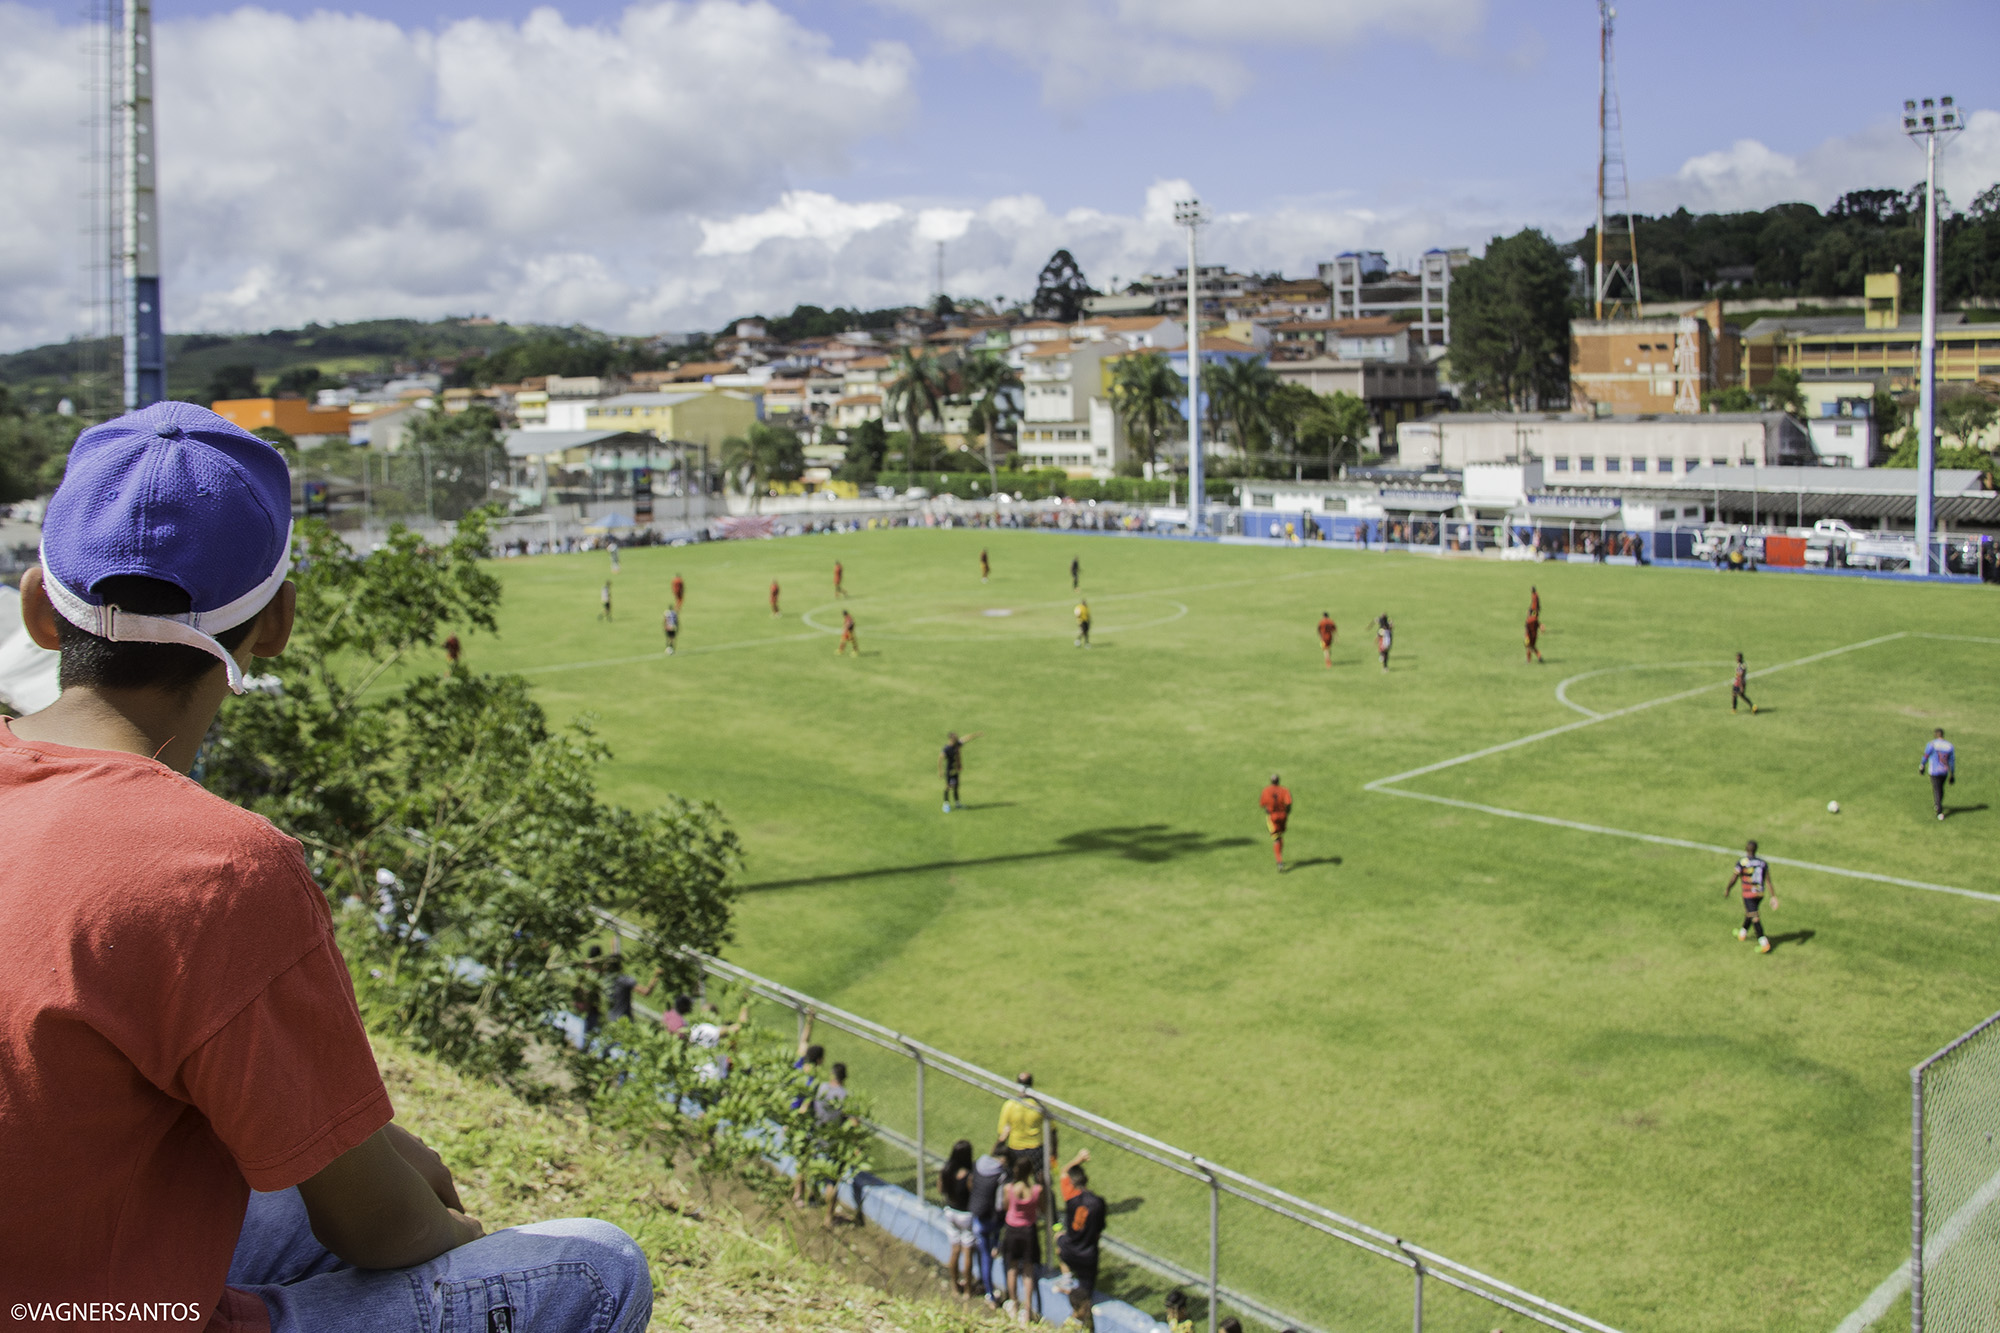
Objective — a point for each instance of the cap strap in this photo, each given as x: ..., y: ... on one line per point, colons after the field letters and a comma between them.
x: 120, y: 626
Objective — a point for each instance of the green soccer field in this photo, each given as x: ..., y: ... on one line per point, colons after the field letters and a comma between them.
x: 1534, y: 1047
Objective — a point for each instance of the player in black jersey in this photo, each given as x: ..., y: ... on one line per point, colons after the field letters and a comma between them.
x: 951, y: 762
x: 1753, y: 875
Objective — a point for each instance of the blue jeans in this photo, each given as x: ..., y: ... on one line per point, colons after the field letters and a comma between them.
x: 982, y: 1252
x: 577, y: 1275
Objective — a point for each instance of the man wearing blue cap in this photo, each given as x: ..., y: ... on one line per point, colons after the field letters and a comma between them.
x: 177, y: 1026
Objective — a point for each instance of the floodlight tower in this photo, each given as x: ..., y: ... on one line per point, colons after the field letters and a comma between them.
x: 1617, y: 286
x: 1937, y: 119
x: 1189, y: 213
x: 139, y: 232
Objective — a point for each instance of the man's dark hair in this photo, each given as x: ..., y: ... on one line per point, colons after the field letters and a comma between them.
x: 107, y: 665
x: 683, y: 1003
x: 815, y: 1053
x: 1078, y: 1176
x: 840, y: 1073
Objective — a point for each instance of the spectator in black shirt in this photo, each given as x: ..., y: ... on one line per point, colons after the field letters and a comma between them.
x: 1083, y: 1224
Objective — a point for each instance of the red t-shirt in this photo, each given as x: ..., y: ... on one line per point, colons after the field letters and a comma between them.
x: 176, y: 1027
x: 1276, y: 800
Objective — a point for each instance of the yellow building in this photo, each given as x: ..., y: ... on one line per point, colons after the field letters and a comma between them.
x: 1881, y: 344
x: 696, y: 418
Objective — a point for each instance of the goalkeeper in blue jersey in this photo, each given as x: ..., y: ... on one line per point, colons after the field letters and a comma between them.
x: 1940, y: 765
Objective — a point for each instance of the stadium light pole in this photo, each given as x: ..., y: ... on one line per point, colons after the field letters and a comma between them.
x: 1188, y: 213
x: 1934, y: 119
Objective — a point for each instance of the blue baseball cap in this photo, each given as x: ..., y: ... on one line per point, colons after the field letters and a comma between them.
x: 171, y: 492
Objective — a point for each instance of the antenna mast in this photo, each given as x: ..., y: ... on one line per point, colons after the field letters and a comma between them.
x: 1616, y: 287
x: 139, y: 232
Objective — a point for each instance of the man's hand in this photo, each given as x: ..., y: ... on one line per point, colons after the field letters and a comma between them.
x: 375, y: 1209
x: 428, y: 1164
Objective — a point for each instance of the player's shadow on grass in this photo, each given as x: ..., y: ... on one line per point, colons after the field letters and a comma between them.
x: 1131, y: 1205
x: 1146, y: 843
x: 1315, y: 861
x: 1964, y: 809
x: 1792, y: 937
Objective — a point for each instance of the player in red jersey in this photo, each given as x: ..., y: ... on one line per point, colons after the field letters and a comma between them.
x: 1534, y: 601
x: 1277, y: 802
x: 1327, y: 629
x: 680, y: 592
x: 838, y: 575
x: 1533, y: 631
x: 774, y: 598
x: 1738, y: 686
x: 847, y: 636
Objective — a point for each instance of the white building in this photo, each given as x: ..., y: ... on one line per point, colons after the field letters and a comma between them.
x: 1364, y: 287
x: 1605, y: 451
x: 1066, y: 417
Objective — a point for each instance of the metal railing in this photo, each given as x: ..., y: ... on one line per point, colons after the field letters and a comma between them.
x: 1218, y: 1182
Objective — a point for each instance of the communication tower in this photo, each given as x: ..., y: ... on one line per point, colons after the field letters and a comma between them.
x: 121, y: 223
x: 1616, y: 285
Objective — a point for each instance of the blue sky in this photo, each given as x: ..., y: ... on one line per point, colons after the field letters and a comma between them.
x: 811, y: 149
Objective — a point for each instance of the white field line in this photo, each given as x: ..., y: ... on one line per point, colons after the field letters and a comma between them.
x: 1898, y: 1282
x: 1562, y: 690
x: 1385, y: 786
x: 1689, y: 844
x: 1595, y: 718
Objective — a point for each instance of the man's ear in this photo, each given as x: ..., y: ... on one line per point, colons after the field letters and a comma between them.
x: 274, y: 622
x: 38, y: 613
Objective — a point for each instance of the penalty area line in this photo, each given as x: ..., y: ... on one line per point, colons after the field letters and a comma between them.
x: 1690, y: 844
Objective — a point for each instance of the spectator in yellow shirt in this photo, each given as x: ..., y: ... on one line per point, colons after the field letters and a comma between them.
x: 1021, y: 1126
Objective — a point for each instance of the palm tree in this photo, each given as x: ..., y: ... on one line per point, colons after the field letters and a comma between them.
x: 918, y: 387
x: 990, y: 384
x: 768, y: 453
x: 1239, y: 388
x: 1148, y: 394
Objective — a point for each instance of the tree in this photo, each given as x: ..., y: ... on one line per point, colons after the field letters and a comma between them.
x: 34, y: 446
x: 1061, y: 288
x: 465, y: 826
x: 767, y: 454
x: 1240, y: 387
x: 990, y: 385
x: 1781, y: 394
x: 867, y: 444
x: 1966, y: 416
x: 918, y: 386
x: 236, y: 380
x: 452, y: 458
x: 305, y: 381
x: 1148, y: 395
x: 1510, y: 313
x: 1333, y: 423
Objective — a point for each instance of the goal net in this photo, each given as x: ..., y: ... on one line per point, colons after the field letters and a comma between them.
x: 1955, y: 1264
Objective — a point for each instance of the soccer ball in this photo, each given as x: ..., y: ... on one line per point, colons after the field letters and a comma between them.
x: 1833, y: 807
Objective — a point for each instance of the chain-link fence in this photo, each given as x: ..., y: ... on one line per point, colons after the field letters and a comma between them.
x: 1955, y: 1161
x: 1175, y: 1219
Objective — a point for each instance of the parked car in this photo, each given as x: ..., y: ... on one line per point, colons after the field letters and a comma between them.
x: 1829, y: 542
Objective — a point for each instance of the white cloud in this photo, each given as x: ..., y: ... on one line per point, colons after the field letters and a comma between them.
x: 338, y: 166
x: 1749, y: 175
x: 1084, y: 49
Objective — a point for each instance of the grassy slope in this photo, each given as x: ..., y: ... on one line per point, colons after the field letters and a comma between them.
x: 1536, y: 1050
x: 516, y: 1164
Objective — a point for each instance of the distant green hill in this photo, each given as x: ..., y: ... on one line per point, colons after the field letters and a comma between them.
x: 196, y: 360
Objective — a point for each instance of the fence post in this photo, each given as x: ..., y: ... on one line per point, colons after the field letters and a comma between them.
x: 1917, y: 1200
x: 1416, y: 1268
x: 1214, y: 1245
x: 920, y: 1122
